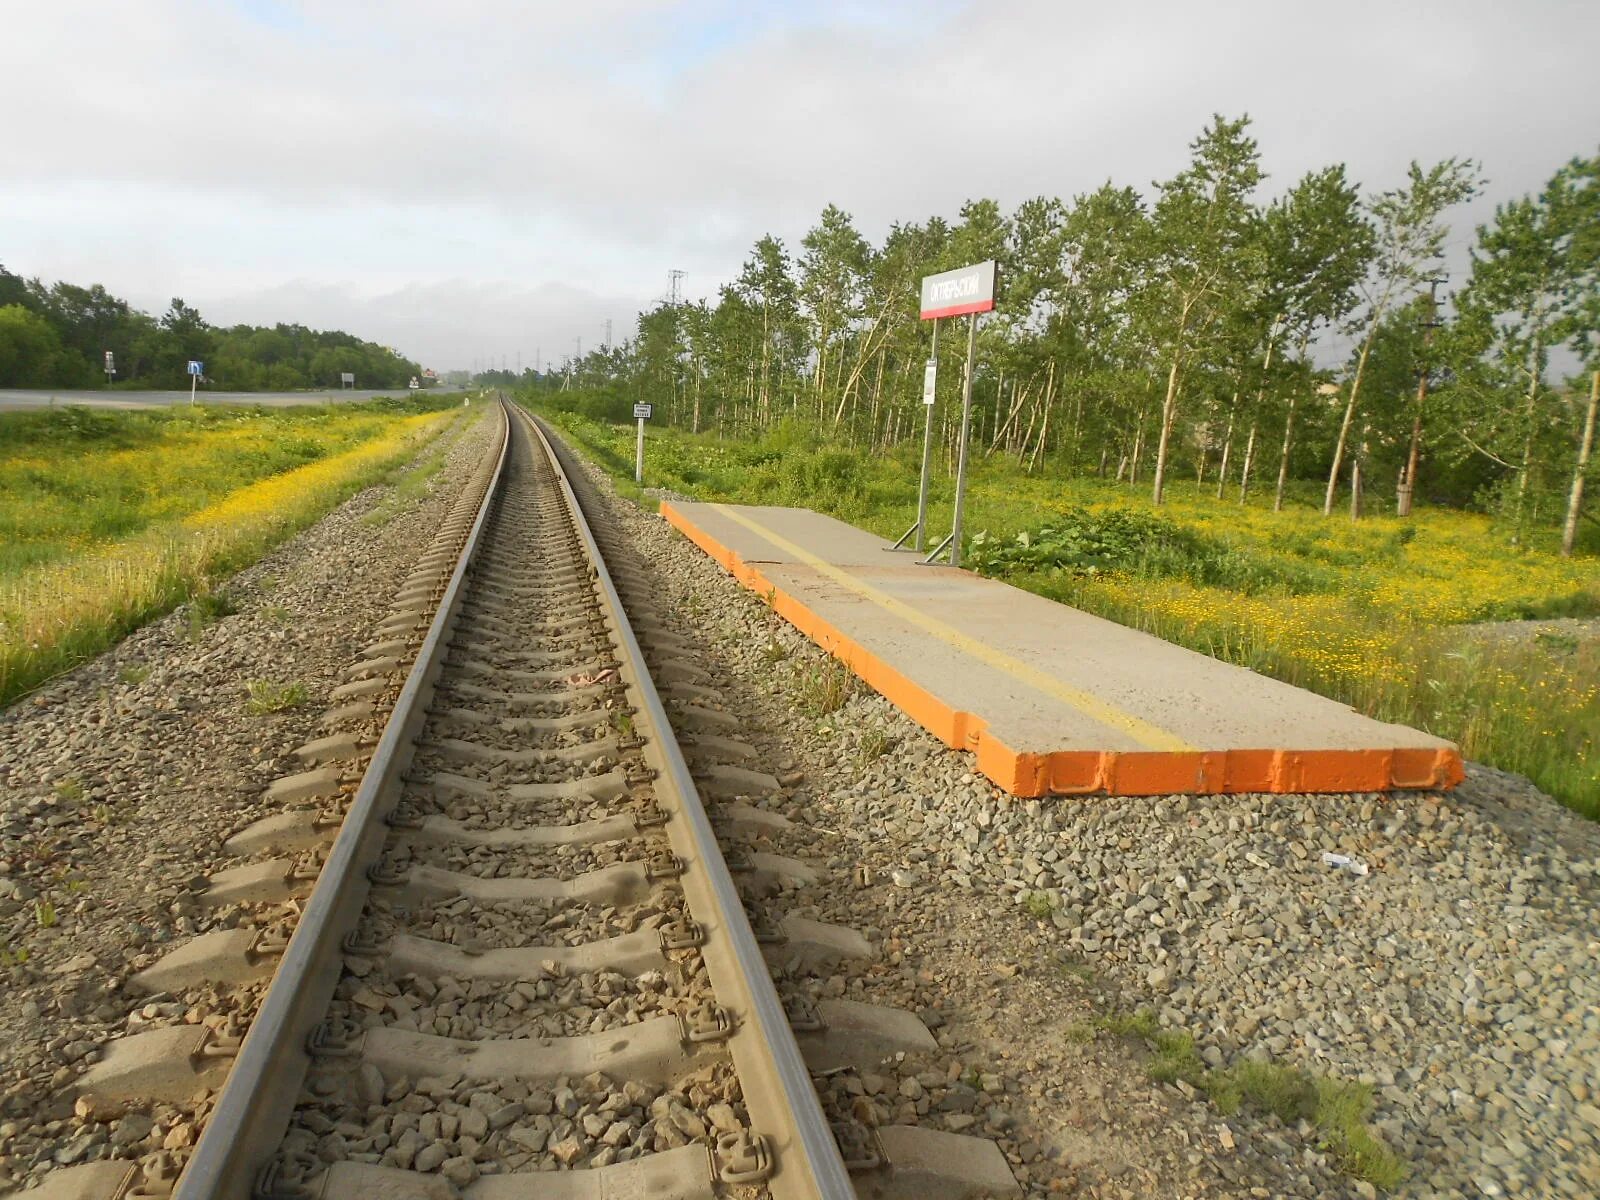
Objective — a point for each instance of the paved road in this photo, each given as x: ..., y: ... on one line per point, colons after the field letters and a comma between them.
x: 15, y: 399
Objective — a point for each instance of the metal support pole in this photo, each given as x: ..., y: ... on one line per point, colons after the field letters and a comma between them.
x: 961, y: 459
x: 927, y: 452
x: 194, y: 380
x: 638, y: 455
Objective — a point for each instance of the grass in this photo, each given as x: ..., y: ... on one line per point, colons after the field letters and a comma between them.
x: 110, y: 519
x: 208, y: 607
x: 1038, y: 905
x: 268, y: 697
x: 1337, y: 1109
x: 875, y: 743
x: 410, y: 484
x: 1376, y: 615
x: 824, y: 688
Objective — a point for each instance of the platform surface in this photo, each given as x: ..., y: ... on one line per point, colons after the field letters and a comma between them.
x: 1051, y: 700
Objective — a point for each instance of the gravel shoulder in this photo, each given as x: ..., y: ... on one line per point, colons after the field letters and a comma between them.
x: 1459, y: 978
x: 120, y: 781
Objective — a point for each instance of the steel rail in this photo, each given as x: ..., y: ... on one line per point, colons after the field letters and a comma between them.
x: 257, y: 1100
x: 778, y: 1091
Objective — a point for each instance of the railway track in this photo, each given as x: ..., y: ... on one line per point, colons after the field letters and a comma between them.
x: 494, y: 944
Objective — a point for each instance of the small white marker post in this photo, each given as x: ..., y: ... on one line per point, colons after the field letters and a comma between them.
x: 195, y: 368
x: 641, y: 412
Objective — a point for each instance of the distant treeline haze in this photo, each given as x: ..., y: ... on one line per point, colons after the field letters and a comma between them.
x: 1148, y: 335
x: 57, y: 336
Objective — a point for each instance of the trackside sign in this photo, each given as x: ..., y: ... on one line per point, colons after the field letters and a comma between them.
x: 954, y: 293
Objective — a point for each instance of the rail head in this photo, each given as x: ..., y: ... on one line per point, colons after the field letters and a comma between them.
x: 778, y: 1089
x: 257, y: 1100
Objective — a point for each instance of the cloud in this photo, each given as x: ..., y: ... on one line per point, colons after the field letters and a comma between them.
x: 235, y: 150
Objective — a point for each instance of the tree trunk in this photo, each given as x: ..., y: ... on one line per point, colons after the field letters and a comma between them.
x: 1016, y: 408
x: 1355, y: 489
x: 1249, y: 459
x: 1344, y: 425
x: 1227, y: 447
x: 1169, y: 411
x: 1044, y: 432
x: 1569, y: 531
x: 1534, y: 374
x: 1283, y: 463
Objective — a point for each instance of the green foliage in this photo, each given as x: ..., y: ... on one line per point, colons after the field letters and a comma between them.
x: 1038, y: 905
x: 824, y: 688
x: 56, y: 336
x: 110, y: 520
x: 207, y: 607
x: 875, y: 743
x: 1087, y: 543
x: 75, y: 477
x: 269, y: 697
x: 1338, y: 1109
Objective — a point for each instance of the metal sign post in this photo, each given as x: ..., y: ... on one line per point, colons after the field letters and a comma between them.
x: 642, y: 413
x: 966, y: 291
x: 111, y: 367
x: 196, y: 368
x: 930, y: 387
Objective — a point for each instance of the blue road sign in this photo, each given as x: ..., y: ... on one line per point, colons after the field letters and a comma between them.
x: 196, y: 367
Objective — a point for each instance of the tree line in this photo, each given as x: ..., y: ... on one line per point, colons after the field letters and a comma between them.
x: 56, y: 335
x: 1197, y: 328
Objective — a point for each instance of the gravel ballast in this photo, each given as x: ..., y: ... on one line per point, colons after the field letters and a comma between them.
x: 120, y: 781
x: 1458, y: 977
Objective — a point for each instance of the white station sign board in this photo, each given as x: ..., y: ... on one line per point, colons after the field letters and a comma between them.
x: 956, y: 293
x: 642, y: 411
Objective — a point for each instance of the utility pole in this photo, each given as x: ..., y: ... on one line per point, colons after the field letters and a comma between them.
x: 1406, y: 492
x: 675, y: 286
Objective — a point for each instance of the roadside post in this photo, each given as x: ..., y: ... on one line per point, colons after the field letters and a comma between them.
x: 196, y: 369
x: 111, y: 367
x: 966, y: 291
x: 641, y: 413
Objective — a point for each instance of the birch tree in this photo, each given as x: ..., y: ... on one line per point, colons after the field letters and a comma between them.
x: 1410, y: 245
x: 1205, y: 256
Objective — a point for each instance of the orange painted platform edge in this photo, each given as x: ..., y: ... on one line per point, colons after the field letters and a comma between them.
x: 1091, y: 772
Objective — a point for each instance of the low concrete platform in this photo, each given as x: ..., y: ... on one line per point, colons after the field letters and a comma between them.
x: 1051, y: 700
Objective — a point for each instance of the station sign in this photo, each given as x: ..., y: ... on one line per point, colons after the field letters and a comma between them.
x: 956, y: 293
x: 642, y: 411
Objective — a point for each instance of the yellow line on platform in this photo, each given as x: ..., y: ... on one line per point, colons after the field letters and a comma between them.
x: 1150, y: 736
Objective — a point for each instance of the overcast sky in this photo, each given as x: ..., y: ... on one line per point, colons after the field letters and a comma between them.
x: 472, y: 178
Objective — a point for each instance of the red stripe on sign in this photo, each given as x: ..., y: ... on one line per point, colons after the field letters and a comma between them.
x: 958, y: 310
